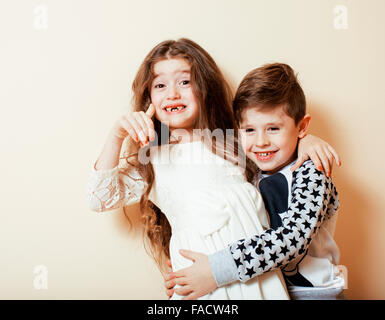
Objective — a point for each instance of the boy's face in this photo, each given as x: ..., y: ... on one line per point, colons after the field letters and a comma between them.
x: 269, y: 137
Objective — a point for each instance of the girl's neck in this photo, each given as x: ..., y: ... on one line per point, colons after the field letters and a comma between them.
x: 183, y: 135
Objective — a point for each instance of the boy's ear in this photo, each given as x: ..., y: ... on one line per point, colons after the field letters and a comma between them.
x: 304, y: 125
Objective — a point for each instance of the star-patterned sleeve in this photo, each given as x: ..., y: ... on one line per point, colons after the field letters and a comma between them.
x: 112, y: 188
x: 314, y: 198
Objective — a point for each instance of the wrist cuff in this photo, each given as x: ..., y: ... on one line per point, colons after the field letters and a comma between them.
x: 223, y: 267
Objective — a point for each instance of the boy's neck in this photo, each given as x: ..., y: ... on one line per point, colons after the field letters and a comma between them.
x: 288, y: 163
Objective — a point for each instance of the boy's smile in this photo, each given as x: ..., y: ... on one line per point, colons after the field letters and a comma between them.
x: 269, y: 137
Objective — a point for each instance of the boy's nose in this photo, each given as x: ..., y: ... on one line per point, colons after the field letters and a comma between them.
x: 261, y: 140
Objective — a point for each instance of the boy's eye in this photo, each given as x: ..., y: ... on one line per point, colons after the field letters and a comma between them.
x: 273, y: 129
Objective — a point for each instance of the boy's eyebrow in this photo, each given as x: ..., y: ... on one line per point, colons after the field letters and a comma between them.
x: 274, y: 123
x: 247, y: 124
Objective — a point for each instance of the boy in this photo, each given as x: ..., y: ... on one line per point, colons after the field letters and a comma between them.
x: 270, y: 107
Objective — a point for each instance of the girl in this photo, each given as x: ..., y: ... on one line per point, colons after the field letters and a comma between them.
x: 190, y: 197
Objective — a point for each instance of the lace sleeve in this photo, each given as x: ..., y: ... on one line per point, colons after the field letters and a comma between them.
x: 111, y: 189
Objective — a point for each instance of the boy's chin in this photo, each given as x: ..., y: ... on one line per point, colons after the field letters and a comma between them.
x: 266, y: 169
x: 271, y: 168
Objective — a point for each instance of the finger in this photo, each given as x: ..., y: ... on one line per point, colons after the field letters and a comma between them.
x: 130, y: 130
x: 135, y: 126
x: 182, y: 291
x: 181, y: 281
x: 150, y: 111
x: 168, y: 262
x: 143, y: 134
x: 149, y: 126
x: 330, y: 159
x: 335, y: 155
x: 169, y: 293
x: 169, y: 276
x: 299, y: 162
x: 178, y: 274
x: 316, y: 160
x: 192, y: 296
x: 191, y: 255
x: 169, y: 284
x: 324, y: 160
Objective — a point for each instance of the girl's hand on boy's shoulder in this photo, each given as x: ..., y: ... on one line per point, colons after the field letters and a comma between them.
x: 319, y: 151
x: 137, y: 125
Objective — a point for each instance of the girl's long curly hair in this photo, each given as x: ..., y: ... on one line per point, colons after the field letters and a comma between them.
x: 214, y: 98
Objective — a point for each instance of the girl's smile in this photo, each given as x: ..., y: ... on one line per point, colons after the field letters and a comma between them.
x: 174, y: 108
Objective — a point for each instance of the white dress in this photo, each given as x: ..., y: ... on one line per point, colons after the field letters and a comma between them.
x: 208, y: 202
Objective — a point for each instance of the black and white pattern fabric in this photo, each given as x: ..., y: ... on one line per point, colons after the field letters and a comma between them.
x: 312, y: 201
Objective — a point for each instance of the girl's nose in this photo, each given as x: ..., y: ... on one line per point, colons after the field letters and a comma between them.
x: 173, y: 93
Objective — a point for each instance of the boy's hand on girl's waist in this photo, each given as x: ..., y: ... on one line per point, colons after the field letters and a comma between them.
x: 169, y: 282
x: 194, y: 281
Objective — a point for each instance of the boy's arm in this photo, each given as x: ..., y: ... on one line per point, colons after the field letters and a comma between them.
x: 314, y: 198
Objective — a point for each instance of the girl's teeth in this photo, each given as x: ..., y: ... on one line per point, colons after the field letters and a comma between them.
x: 174, y: 109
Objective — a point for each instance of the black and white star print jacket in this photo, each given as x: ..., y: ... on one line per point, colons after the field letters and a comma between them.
x: 302, y: 207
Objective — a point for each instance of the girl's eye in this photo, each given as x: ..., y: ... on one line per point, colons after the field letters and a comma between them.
x: 159, y: 86
x: 185, y: 82
x: 249, y: 130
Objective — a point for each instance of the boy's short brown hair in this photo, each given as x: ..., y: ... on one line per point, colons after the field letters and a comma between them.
x: 269, y: 86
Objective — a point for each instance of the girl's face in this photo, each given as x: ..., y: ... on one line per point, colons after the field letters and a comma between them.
x: 172, y: 94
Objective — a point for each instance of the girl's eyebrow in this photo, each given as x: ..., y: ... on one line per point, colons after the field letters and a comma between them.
x: 175, y: 72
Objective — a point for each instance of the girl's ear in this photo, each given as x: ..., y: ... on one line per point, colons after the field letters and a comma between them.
x: 304, y: 125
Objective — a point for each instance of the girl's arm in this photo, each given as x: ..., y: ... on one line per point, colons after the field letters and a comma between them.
x: 274, y: 248
x: 108, y: 186
x: 319, y: 151
x: 109, y: 189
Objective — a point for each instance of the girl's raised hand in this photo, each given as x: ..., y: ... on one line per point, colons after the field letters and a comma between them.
x: 138, y: 125
x: 319, y: 151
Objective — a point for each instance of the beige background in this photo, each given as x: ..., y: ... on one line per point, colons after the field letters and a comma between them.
x: 66, y: 78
